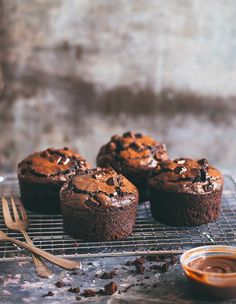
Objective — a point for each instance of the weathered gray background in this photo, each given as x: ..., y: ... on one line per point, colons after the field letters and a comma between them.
x: 73, y: 72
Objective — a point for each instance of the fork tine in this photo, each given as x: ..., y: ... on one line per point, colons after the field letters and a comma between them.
x: 15, y: 212
x: 6, y: 211
x: 23, y: 212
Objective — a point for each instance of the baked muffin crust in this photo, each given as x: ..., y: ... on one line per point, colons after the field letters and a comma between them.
x: 52, y: 164
x: 132, y: 150
x: 186, y: 175
x: 99, y: 204
x: 133, y: 155
x: 42, y: 174
x: 185, y: 192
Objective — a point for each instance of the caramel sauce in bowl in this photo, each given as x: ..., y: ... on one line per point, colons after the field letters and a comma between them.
x: 211, y: 270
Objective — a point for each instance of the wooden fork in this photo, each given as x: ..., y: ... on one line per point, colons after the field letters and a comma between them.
x: 22, y: 224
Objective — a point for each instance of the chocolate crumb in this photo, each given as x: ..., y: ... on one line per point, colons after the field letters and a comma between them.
x: 49, y: 294
x: 140, y: 268
x: 139, y: 261
x: 74, y: 289
x: 78, y: 298
x: 59, y: 284
x: 129, y: 263
x: 139, y: 264
x: 74, y: 273
x: 89, y: 293
x: 164, y: 267
x: 173, y: 260
x: 110, y: 288
x: 108, y: 275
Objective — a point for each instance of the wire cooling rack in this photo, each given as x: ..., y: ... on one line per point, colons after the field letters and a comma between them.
x: 149, y: 236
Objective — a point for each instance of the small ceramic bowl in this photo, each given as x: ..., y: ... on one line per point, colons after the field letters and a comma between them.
x: 211, y: 270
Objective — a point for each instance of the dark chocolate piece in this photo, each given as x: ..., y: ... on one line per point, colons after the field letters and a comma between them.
x: 60, y: 284
x: 74, y: 289
x: 88, y: 293
x: 108, y: 275
x: 49, y: 294
x: 110, y: 288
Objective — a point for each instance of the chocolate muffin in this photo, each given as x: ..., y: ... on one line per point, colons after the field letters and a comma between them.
x: 99, y: 205
x: 133, y: 155
x: 42, y: 174
x: 185, y: 192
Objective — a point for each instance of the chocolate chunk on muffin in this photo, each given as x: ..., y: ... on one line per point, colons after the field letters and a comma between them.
x: 185, y: 192
x: 133, y: 155
x: 42, y: 174
x: 99, y: 205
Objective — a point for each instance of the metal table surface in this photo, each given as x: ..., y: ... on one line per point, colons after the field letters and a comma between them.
x: 19, y: 283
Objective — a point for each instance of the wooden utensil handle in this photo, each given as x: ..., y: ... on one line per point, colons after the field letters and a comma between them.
x: 41, y: 269
x: 64, y: 263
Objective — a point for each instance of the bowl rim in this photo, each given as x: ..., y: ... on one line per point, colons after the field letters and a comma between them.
x: 209, y: 248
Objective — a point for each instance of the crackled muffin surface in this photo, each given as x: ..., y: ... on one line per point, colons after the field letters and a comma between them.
x: 42, y: 174
x: 133, y: 155
x: 52, y: 163
x: 99, y: 204
x: 133, y: 150
x: 101, y: 188
x: 186, y: 175
x: 185, y: 192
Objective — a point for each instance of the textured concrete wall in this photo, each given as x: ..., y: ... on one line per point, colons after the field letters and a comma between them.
x: 73, y: 72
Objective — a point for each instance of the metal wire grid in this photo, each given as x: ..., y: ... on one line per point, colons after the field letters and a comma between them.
x: 149, y: 236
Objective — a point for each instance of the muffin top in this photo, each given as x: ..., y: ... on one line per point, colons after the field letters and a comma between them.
x: 52, y: 164
x: 97, y: 188
x: 131, y: 150
x: 186, y: 175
